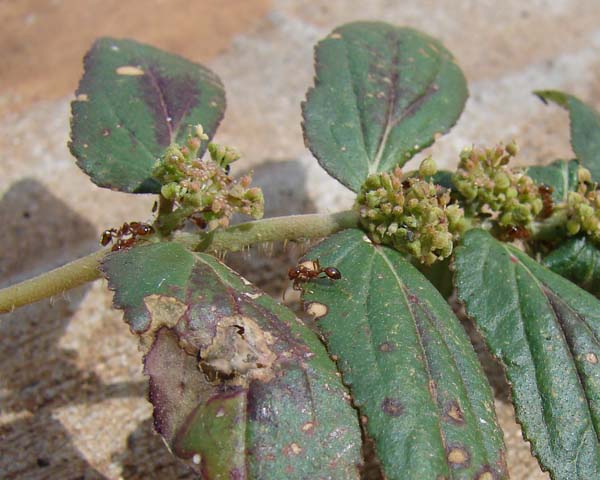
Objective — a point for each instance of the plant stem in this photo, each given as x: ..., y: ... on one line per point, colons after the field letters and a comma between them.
x: 294, y: 227
x: 234, y: 238
x: 55, y: 281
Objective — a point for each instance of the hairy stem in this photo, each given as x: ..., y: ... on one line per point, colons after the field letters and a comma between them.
x: 235, y: 238
x: 55, y: 281
x: 295, y: 227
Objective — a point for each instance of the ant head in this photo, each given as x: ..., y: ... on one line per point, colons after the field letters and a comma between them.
x: 294, y: 272
x: 106, y: 238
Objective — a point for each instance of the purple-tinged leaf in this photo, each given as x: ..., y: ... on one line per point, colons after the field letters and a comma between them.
x: 132, y: 102
x: 241, y: 388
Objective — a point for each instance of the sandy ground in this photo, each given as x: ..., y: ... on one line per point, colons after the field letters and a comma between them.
x: 72, y: 396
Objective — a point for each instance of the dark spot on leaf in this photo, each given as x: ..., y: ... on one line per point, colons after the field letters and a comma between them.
x: 169, y: 99
x: 387, y: 347
x: 236, y: 474
x: 412, y: 298
x: 105, y: 132
x: 392, y: 407
x: 453, y: 413
x: 259, y: 410
x: 513, y: 259
x: 457, y: 456
x: 43, y: 462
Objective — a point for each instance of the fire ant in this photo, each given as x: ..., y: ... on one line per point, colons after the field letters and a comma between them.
x: 126, y: 235
x: 306, y: 271
x: 515, y: 232
x: 546, y: 193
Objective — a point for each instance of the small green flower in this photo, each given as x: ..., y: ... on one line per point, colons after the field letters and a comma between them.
x: 492, y: 190
x: 583, y: 207
x: 202, y: 188
x: 410, y: 214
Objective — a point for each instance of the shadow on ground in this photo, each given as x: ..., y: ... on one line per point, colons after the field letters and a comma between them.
x: 37, y: 374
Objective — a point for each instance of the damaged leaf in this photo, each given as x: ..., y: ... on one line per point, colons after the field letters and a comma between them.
x: 545, y: 330
x: 133, y: 101
x: 382, y: 94
x: 240, y: 387
x: 409, y: 365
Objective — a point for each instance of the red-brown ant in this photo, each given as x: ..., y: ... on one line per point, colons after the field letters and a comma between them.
x: 125, y: 236
x: 515, y: 232
x: 306, y: 271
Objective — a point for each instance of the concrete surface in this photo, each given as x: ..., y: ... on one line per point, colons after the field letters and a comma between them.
x: 72, y: 396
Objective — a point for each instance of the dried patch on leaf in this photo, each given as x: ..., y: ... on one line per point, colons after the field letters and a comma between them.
x: 164, y: 312
x: 317, y: 310
x: 591, y: 357
x: 239, y: 352
x: 458, y: 457
x: 453, y: 413
x: 129, y: 70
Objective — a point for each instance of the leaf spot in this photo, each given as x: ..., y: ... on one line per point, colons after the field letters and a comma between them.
x: 105, y: 132
x: 220, y: 412
x: 591, y: 357
x: 387, y: 347
x: 317, y: 310
x: 196, y: 459
x: 82, y: 97
x: 335, y: 36
x: 453, y: 413
x: 392, y: 407
x: 129, y: 70
x: 458, y: 457
x: 485, y: 476
x: 513, y: 259
x: 308, y: 427
x: 292, y: 449
x: 486, y: 473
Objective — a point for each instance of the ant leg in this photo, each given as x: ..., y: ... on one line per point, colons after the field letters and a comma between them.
x: 316, y: 265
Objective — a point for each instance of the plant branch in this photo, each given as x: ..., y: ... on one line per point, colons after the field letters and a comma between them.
x: 85, y: 269
x: 294, y: 227
x: 51, y: 283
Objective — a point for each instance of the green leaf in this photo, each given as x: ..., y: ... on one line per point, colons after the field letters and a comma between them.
x: 409, y: 365
x: 561, y: 175
x: 132, y: 102
x: 585, y: 128
x: 241, y: 388
x: 545, y: 330
x: 578, y: 260
x: 382, y: 93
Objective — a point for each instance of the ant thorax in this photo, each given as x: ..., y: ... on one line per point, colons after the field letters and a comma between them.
x: 310, y: 265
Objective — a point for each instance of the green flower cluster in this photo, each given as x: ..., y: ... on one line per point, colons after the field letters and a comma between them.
x: 583, y: 207
x: 410, y: 214
x: 202, y: 189
x: 491, y: 189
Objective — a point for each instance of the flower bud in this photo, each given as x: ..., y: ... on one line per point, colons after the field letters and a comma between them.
x: 427, y: 168
x: 584, y: 175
